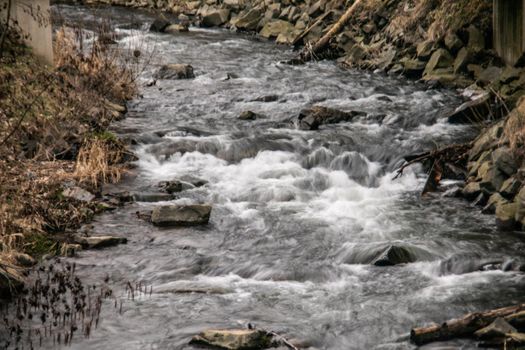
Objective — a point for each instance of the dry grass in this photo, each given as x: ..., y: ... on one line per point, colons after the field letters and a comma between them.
x: 98, y: 162
x: 514, y: 131
x: 53, y: 125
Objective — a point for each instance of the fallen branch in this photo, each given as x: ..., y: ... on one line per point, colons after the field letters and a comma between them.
x: 461, y: 327
x: 322, y: 43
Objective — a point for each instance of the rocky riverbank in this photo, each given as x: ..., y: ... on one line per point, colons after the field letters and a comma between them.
x: 56, y: 150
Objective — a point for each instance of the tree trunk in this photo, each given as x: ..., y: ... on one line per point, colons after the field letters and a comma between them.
x: 464, y: 326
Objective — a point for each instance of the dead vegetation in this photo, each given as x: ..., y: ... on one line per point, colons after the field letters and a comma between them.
x: 53, y: 133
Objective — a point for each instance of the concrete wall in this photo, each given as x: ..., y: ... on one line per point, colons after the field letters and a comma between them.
x: 33, y: 18
x: 509, y: 29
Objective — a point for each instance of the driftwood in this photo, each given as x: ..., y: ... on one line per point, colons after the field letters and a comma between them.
x: 310, y: 52
x: 446, y: 162
x: 309, y: 29
x: 462, y: 327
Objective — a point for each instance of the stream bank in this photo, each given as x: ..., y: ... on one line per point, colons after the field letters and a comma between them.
x: 303, y: 219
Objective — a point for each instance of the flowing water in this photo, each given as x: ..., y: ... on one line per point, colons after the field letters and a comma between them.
x: 297, y: 215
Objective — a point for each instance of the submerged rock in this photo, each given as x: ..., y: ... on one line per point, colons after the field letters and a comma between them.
x: 394, y: 255
x: 235, y: 339
x: 181, y: 215
x: 248, y: 115
x: 175, y: 71
x: 312, y: 118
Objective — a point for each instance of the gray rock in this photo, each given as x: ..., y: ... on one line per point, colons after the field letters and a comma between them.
x: 248, y: 20
x: 181, y: 215
x: 462, y: 60
x: 312, y: 118
x: 452, y: 42
x: 235, y: 339
x: 177, y: 28
x: 159, y: 25
x: 490, y: 75
x: 510, y: 187
x: 441, y: 58
x: 175, y: 71
x: 425, y: 49
x: 506, y: 216
x: 504, y: 160
x: 470, y: 112
x: 394, y: 255
x: 97, y: 242
x: 413, y: 67
x: 248, y: 115
x: 471, y: 190
x: 493, y: 201
x: 476, y: 40
x: 498, y: 328
x: 215, y: 18
x: 78, y: 194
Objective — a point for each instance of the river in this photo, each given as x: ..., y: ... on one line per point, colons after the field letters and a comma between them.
x: 296, y: 214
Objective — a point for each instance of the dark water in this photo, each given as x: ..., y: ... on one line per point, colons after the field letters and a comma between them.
x: 296, y: 214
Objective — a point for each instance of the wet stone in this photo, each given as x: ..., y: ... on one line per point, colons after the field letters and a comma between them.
x: 181, y: 215
x: 175, y: 71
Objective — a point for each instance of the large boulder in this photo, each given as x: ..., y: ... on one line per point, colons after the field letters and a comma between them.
x: 215, y: 18
x: 235, y: 339
x: 312, y: 118
x: 97, y: 242
x: 78, y: 194
x: 175, y: 71
x: 471, y: 111
x: 425, y: 48
x: 476, y: 40
x: 462, y: 60
x: 181, y: 215
x: 504, y: 160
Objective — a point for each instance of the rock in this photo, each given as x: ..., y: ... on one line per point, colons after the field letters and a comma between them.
x: 394, y: 255
x: 462, y: 60
x: 248, y: 115
x: 235, y: 339
x: 452, y: 42
x: 470, y: 112
x: 492, y: 179
x: 78, y: 194
x: 471, y: 190
x: 355, y: 55
x: 181, y: 215
x: 248, y: 20
x: 175, y: 71
x: 172, y: 186
x: 504, y: 160
x: 177, y: 28
x: 486, y: 140
x: 266, y: 98
x: 505, y: 216
x: 274, y: 28
x: 476, y: 40
x: 216, y: 18
x: 493, y: 201
x: 316, y: 9
x: 288, y: 38
x: 425, y: 49
x: 520, y: 207
x: 441, y: 58
x: 510, y: 74
x: 498, y: 328
x: 490, y: 75
x: 97, y: 242
x: 510, y: 187
x: 152, y: 197
x: 159, y: 25
x: 413, y: 67
x: 312, y: 118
